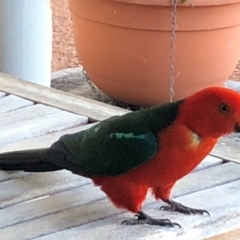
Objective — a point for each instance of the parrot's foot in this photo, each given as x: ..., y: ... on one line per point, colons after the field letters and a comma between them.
x: 143, y: 218
x: 178, y: 207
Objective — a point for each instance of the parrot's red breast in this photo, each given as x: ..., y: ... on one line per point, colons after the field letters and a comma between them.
x: 180, y: 152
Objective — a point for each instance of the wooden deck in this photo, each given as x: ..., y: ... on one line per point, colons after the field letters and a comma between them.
x: 60, y: 205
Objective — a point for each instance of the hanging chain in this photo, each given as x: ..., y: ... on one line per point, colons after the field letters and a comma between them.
x: 172, y: 49
x: 107, y: 99
x: 90, y: 83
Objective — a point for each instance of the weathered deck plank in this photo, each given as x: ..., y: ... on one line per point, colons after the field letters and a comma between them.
x: 11, y: 102
x: 26, y: 114
x: 53, y: 204
x: 207, y: 178
x: 194, y: 227
x: 40, y: 126
x: 37, y: 185
x: 227, y: 149
x: 41, y: 141
x: 5, y: 176
x: 2, y: 94
x: 208, y: 162
x: 52, y: 215
x: 66, y: 101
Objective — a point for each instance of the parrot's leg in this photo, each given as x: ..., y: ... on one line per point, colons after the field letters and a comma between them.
x: 178, y: 207
x: 143, y: 218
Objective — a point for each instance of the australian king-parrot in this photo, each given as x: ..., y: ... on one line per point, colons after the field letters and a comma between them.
x: 143, y: 150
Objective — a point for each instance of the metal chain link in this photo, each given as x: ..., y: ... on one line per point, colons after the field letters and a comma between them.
x: 172, y: 49
x: 101, y: 98
x: 92, y: 86
x: 107, y: 99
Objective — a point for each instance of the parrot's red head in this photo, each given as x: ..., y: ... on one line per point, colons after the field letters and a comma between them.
x: 212, y: 112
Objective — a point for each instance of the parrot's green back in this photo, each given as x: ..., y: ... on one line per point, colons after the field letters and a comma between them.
x: 118, y: 144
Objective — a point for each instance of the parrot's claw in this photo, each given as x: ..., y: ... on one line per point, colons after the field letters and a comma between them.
x: 178, y: 207
x: 143, y: 218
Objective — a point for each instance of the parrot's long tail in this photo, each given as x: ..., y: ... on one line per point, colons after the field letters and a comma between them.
x: 36, y: 160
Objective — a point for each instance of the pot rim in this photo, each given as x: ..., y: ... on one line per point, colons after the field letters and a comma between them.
x: 186, y: 3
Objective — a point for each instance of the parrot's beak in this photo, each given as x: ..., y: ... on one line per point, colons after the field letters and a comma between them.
x: 237, y: 128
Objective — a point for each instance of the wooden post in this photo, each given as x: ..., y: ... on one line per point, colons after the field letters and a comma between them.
x: 26, y: 39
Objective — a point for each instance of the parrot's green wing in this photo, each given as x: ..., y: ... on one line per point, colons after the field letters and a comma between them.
x: 118, y: 144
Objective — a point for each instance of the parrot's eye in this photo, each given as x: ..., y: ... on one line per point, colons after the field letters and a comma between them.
x: 224, y: 108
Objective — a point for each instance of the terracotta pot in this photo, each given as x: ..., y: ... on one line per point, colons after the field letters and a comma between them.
x: 124, y: 46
